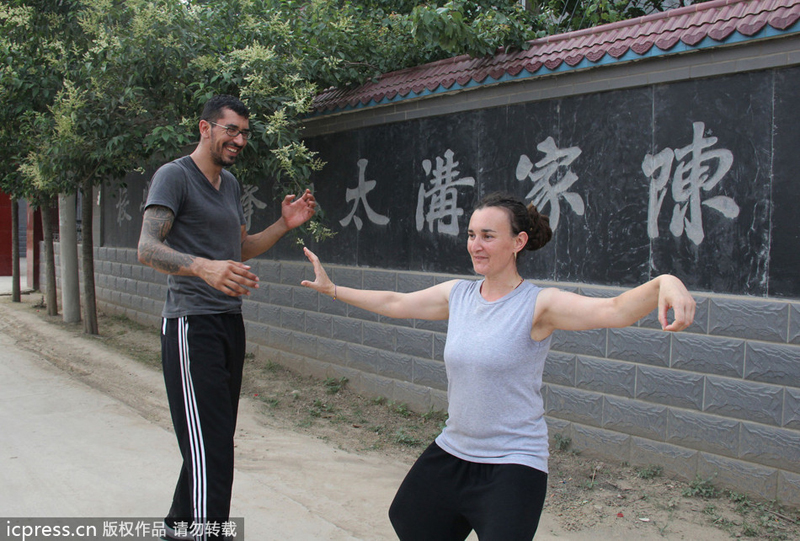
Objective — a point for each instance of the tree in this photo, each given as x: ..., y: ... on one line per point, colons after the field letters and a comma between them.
x: 28, y: 83
x: 106, y: 87
x: 123, y: 79
x: 44, y: 199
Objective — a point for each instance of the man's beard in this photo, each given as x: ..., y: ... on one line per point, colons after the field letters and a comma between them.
x: 222, y: 160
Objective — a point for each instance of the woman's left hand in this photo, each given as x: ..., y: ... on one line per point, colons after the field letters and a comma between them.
x: 672, y: 294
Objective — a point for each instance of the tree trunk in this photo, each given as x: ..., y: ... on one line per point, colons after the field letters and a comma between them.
x: 49, y: 259
x: 87, y: 260
x: 68, y: 240
x: 15, y: 287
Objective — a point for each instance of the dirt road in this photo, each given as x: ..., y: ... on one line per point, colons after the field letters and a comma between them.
x: 89, y: 436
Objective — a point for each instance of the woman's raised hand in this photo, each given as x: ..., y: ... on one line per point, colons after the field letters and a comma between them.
x: 321, y: 281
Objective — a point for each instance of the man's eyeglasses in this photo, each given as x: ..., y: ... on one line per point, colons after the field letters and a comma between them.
x: 233, y: 131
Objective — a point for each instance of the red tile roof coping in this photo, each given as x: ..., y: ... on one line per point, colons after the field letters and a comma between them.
x: 717, y: 20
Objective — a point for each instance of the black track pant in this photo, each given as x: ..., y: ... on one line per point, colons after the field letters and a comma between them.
x: 203, y: 358
x: 443, y: 498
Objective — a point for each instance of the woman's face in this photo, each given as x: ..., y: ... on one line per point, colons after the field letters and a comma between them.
x: 490, y: 242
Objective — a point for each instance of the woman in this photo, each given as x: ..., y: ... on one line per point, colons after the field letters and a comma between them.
x: 487, y: 470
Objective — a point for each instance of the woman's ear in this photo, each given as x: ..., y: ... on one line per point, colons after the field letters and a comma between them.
x: 521, y: 241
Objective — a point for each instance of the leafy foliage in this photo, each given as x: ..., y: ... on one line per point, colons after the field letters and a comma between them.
x: 474, y: 28
x: 30, y: 47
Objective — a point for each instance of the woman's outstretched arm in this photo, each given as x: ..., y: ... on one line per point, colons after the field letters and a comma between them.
x: 431, y: 303
x: 561, y: 310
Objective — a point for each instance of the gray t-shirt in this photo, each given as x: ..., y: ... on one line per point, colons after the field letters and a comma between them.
x: 207, y: 224
x: 494, y: 372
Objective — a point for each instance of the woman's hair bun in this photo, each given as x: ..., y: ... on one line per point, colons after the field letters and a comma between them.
x: 540, y: 232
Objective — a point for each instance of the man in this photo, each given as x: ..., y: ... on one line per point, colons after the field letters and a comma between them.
x: 193, y: 230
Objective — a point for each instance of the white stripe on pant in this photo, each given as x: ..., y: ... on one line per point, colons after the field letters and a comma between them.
x: 195, y: 430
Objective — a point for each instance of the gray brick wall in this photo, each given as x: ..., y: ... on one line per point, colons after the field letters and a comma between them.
x: 721, y: 399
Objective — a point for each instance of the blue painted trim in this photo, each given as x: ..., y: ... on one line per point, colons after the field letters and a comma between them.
x: 606, y: 60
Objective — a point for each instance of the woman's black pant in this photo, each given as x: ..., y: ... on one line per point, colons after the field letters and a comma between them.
x: 444, y: 498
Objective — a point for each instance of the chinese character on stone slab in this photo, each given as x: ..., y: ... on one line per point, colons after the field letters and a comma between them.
x: 548, y: 187
x: 122, y: 206
x: 359, y: 196
x: 693, y: 174
x: 443, y: 209
x: 249, y: 201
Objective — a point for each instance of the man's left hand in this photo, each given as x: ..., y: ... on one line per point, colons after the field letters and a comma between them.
x: 296, y: 211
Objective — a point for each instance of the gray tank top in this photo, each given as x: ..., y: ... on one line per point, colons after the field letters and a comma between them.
x: 494, y: 372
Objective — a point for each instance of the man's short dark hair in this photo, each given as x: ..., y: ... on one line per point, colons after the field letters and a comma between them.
x: 214, y: 107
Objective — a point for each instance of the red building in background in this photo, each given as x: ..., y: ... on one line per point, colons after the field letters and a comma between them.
x: 5, y: 235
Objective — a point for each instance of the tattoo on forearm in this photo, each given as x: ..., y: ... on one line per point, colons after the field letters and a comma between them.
x: 156, y: 224
x: 158, y: 221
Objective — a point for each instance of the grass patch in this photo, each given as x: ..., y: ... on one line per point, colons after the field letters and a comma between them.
x: 402, y: 438
x: 649, y: 472
x: 333, y: 385
x: 562, y: 442
x: 701, y: 488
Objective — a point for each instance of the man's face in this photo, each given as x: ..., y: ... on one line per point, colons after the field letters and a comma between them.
x: 224, y: 148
